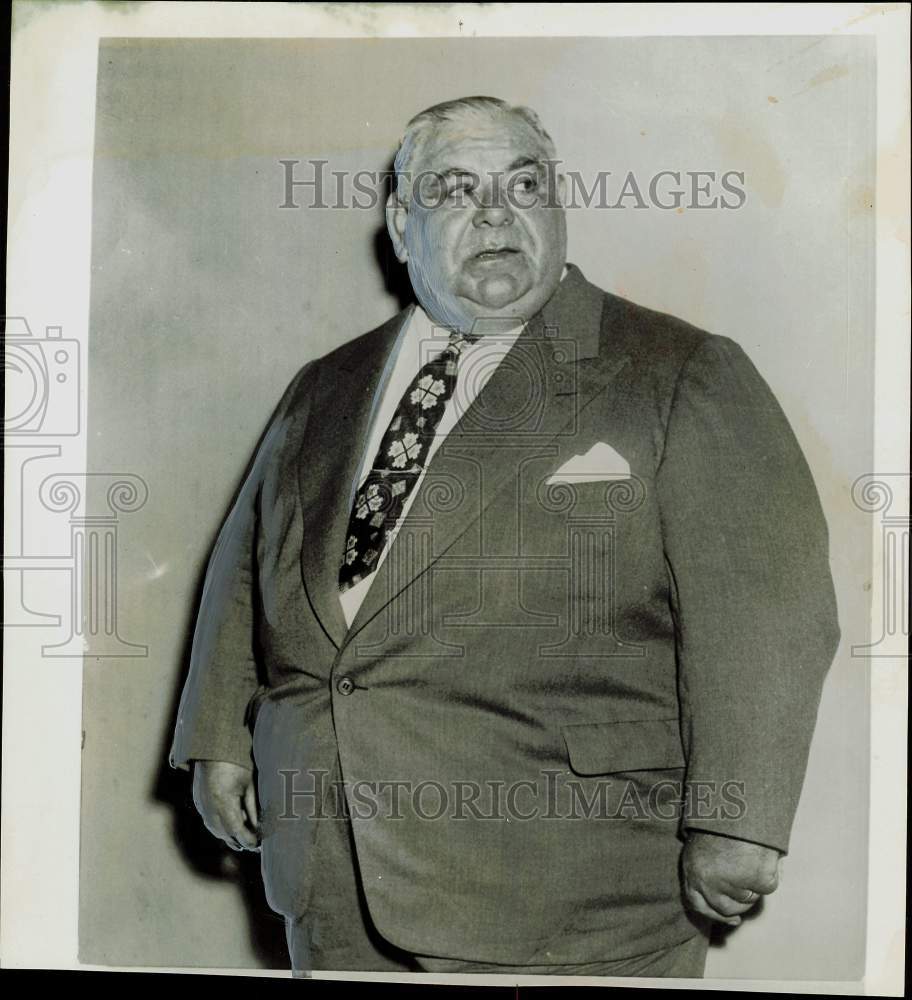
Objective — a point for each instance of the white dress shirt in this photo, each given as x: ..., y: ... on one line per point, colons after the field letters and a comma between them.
x: 418, y: 342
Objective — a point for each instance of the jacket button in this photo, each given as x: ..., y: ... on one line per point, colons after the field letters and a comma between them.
x: 345, y: 685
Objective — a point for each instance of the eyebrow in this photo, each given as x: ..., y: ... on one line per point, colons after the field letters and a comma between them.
x: 518, y: 163
x: 524, y: 161
x: 457, y: 172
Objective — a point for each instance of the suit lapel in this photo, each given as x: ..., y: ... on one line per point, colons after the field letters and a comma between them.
x: 534, y: 395
x: 329, y: 460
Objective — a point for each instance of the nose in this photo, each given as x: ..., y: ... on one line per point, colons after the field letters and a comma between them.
x: 493, y: 210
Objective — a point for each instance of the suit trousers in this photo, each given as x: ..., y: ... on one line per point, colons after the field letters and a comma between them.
x: 337, y: 933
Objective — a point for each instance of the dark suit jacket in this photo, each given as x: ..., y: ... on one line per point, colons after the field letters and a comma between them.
x: 580, y: 648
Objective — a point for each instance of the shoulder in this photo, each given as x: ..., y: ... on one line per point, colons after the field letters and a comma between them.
x: 352, y: 353
x: 664, y: 349
x: 347, y: 357
x: 647, y: 334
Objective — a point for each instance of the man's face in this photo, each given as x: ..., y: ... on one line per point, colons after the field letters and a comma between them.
x: 483, y: 230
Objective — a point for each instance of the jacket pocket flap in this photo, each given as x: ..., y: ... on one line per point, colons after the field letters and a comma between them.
x: 612, y: 747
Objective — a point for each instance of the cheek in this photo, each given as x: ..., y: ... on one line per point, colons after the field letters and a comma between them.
x: 548, y: 230
x: 421, y: 241
x: 439, y: 240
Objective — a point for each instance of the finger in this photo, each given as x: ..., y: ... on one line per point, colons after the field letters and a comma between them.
x: 209, y: 809
x: 740, y: 894
x: 699, y: 903
x: 235, y: 822
x: 250, y: 807
x: 199, y: 798
x: 760, y: 884
x: 766, y: 883
x: 730, y: 904
x: 747, y: 897
x: 216, y: 813
x: 213, y: 823
x: 722, y: 902
x: 220, y: 833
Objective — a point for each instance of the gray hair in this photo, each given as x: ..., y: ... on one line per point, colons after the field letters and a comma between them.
x: 418, y: 130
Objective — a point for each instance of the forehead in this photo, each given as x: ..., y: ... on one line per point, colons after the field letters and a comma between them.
x: 473, y: 141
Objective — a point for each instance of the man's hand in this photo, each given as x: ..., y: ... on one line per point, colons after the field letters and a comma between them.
x: 225, y: 796
x: 724, y: 877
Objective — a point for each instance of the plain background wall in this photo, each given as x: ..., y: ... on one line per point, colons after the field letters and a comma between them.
x: 206, y: 298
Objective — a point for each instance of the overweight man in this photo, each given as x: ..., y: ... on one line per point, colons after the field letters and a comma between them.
x: 510, y: 649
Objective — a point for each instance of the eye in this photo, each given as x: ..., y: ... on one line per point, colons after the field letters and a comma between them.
x: 525, y: 187
x: 458, y: 187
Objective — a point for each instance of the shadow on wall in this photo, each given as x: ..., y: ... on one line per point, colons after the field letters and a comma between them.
x: 207, y: 855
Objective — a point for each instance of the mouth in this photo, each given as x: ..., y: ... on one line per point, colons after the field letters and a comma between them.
x: 496, y: 254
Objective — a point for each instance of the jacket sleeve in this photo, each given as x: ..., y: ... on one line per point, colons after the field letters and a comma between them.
x: 746, y: 546
x: 223, y: 676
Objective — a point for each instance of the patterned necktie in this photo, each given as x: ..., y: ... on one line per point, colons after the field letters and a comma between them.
x: 399, y: 462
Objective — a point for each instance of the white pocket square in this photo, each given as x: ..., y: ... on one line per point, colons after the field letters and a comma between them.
x: 600, y: 462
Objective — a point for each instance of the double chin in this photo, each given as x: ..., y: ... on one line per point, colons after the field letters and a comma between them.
x: 488, y: 295
x: 498, y: 290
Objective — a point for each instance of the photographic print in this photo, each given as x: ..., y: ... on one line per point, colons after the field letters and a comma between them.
x: 460, y: 513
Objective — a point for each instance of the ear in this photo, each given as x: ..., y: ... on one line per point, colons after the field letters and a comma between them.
x: 562, y: 189
x: 396, y: 218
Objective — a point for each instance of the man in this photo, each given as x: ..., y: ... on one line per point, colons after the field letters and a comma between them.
x: 510, y: 649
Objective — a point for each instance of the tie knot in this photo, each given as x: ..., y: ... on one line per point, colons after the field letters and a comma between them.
x: 460, y: 341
